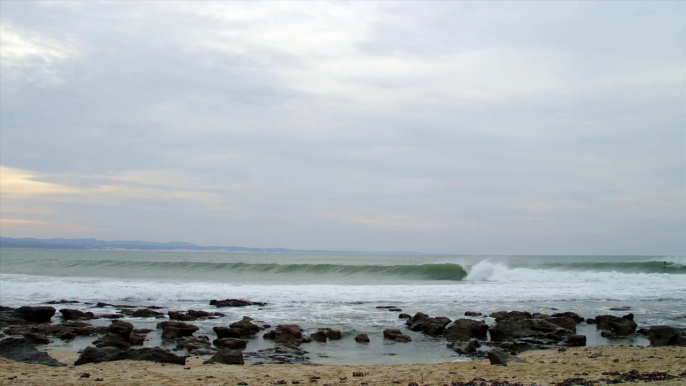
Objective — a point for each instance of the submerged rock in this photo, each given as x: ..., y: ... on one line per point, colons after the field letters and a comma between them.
x: 234, y: 303
x: 362, y: 338
x: 280, y: 355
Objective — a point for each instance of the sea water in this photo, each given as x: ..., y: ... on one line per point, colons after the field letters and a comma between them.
x: 343, y: 291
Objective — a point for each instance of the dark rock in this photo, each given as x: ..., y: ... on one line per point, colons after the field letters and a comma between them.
x: 574, y: 340
x: 177, y: 315
x: 195, y: 345
x: 564, y: 322
x: 465, y: 347
x: 501, y: 315
x: 120, y: 328
x: 472, y: 313
x: 226, y: 357
x: 155, y: 355
x: 234, y: 303
x: 466, y: 329
x: 403, y: 339
x: 247, y: 328
x: 227, y: 332
x: 108, y: 354
x: 331, y: 333
x: 286, y: 334
x: 319, y: 336
x: 404, y: 316
x: 112, y: 316
x: 62, y: 302
x: 280, y: 355
x: 69, y: 314
x: 142, y: 331
x: 667, y: 336
x: 539, y: 315
x: 136, y: 340
x: 97, y: 355
x: 513, y: 327
x: 230, y: 343
x: 624, y: 308
x: 385, y: 307
x: 18, y: 330
x: 502, y: 358
x: 391, y: 333
x: 175, y: 330
x: 143, y: 313
x: 36, y: 314
x: 112, y: 340
x: 34, y: 338
x: 19, y: 350
x: 572, y: 315
x: 204, y: 314
x: 395, y: 309
x: 435, y: 326
x: 591, y: 321
x: 66, y: 336
x: 416, y: 322
x: 615, y: 325
x: 628, y: 316
x: 362, y: 338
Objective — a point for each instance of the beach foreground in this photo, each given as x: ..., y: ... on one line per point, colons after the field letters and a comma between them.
x: 541, y: 368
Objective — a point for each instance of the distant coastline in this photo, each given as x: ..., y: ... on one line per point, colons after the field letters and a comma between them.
x: 136, y: 245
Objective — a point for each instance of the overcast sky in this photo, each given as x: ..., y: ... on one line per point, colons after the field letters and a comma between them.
x: 453, y: 127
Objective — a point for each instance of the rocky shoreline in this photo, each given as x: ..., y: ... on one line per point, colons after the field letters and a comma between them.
x: 512, y: 333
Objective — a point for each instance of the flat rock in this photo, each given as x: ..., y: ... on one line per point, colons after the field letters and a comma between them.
x: 502, y: 358
x: 109, y: 354
x: 235, y: 303
x: 20, y: 350
x: 70, y: 314
x: 227, y: 357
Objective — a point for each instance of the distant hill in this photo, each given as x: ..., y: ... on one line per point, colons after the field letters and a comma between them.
x: 8, y: 242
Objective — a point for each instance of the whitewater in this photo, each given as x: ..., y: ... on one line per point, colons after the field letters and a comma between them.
x: 343, y: 291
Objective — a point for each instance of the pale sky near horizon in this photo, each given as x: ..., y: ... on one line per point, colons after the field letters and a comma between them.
x: 451, y: 127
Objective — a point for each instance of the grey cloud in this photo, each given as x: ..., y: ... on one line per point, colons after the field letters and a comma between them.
x: 450, y: 127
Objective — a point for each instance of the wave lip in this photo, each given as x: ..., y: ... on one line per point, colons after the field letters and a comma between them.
x: 204, y: 269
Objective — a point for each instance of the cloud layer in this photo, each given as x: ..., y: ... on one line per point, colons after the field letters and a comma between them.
x: 459, y: 127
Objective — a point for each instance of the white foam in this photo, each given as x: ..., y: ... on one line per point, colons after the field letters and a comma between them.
x: 500, y: 272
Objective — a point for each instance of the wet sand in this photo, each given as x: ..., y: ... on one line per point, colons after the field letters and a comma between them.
x: 541, y: 368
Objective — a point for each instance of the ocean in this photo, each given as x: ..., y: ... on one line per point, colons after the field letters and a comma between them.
x: 343, y: 291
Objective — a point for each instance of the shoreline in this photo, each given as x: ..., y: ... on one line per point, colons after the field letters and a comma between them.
x: 540, y: 368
